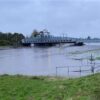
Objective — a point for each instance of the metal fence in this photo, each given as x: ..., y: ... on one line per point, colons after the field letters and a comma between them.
x: 92, y: 68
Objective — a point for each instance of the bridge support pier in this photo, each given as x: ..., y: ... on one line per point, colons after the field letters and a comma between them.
x: 26, y: 44
x: 44, y: 44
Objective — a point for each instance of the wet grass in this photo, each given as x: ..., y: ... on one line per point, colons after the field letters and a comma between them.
x: 97, y: 58
x: 49, y: 88
x: 87, y: 51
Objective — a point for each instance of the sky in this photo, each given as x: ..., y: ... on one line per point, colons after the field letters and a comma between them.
x: 74, y: 18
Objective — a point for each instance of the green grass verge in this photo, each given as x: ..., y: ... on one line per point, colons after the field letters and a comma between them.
x: 49, y: 88
x: 97, y: 58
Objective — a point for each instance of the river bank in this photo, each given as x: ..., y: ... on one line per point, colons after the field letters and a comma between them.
x: 49, y: 88
x: 9, y: 47
x: 5, y: 47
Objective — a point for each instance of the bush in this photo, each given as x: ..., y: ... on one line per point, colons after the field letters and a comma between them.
x: 4, y: 42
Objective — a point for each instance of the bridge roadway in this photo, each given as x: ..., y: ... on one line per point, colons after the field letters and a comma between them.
x: 47, y: 41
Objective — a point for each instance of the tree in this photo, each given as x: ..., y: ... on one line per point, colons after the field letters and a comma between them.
x: 88, y: 37
x: 10, y: 39
x: 35, y: 33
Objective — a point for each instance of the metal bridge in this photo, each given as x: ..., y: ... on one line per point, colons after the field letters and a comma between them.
x: 48, y: 40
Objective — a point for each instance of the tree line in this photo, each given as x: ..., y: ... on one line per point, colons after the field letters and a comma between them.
x: 13, y: 39
x: 10, y: 39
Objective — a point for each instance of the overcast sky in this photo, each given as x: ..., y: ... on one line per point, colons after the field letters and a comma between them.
x: 76, y: 18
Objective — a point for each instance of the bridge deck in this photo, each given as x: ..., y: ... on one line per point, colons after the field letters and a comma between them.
x: 49, y: 41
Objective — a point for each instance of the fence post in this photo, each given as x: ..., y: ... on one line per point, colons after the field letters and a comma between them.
x: 56, y: 71
x: 68, y: 72
x: 92, y: 64
x: 80, y: 71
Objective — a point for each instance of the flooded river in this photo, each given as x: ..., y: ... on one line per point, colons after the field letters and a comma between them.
x: 57, y: 60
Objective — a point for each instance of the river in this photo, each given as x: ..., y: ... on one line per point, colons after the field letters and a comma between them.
x: 49, y: 61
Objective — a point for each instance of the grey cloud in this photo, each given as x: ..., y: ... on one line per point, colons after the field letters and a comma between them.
x: 70, y: 16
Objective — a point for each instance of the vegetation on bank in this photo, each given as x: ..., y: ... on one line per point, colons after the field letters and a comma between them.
x: 97, y: 58
x: 13, y: 39
x: 49, y: 88
x: 9, y: 39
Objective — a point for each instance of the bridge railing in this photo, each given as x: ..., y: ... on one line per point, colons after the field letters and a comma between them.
x: 48, y: 40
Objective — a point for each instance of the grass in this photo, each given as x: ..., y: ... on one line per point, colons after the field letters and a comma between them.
x: 87, y: 51
x: 97, y: 58
x: 49, y: 88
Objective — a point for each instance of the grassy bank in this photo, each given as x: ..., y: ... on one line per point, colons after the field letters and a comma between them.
x: 49, y: 88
